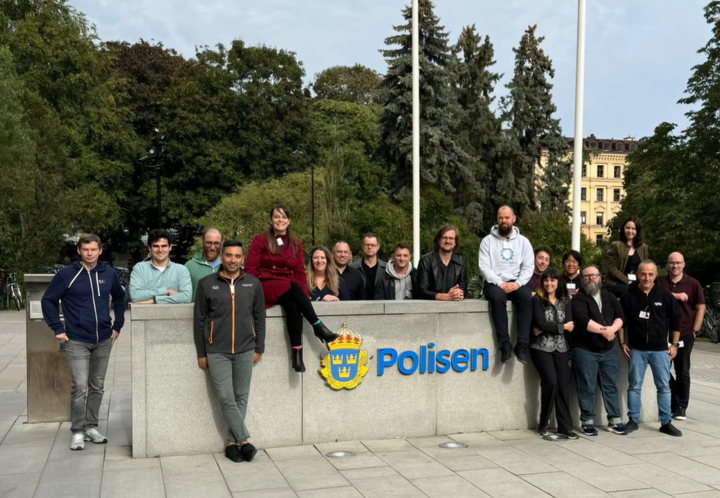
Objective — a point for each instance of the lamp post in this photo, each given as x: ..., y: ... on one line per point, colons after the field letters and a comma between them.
x: 154, y: 161
x: 579, y: 100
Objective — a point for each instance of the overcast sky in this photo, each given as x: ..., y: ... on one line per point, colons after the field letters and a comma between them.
x: 639, y: 52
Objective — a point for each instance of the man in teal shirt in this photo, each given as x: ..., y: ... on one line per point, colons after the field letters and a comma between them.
x: 208, y: 261
x: 160, y: 280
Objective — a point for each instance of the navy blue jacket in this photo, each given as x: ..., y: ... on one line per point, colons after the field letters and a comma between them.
x: 85, y: 299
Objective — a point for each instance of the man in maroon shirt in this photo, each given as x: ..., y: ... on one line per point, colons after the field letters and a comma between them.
x: 690, y: 297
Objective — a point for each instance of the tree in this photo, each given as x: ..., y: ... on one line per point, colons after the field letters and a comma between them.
x: 357, y: 84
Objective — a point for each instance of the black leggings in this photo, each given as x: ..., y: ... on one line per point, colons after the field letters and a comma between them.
x: 296, y: 305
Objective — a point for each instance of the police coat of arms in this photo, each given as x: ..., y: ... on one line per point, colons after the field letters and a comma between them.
x: 345, y: 365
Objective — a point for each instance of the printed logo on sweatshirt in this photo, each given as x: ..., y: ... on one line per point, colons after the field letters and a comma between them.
x: 506, y: 254
x: 345, y: 365
x: 101, y: 281
x: 215, y: 287
x: 247, y: 285
x: 658, y: 304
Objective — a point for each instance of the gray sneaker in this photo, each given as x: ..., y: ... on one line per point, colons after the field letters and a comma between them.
x: 94, y: 436
x: 78, y: 441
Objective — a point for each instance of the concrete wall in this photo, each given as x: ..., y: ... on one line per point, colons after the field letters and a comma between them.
x: 175, y: 411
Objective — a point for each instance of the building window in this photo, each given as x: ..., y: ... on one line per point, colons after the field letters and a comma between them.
x: 600, y: 195
x: 583, y: 194
x: 614, y: 146
x: 583, y: 217
x: 599, y: 219
x: 627, y: 146
x: 617, y: 171
x: 599, y: 239
x: 616, y: 195
x: 600, y: 145
x: 584, y: 171
x: 601, y: 171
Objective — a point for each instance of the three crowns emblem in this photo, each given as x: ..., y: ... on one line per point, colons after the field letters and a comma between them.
x: 345, y: 365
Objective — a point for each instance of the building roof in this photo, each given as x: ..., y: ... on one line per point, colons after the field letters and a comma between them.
x: 610, y: 145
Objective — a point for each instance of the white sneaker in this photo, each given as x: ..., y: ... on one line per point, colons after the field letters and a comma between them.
x: 78, y: 441
x: 94, y: 436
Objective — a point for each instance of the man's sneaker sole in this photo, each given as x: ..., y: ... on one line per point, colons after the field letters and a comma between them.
x: 679, y: 417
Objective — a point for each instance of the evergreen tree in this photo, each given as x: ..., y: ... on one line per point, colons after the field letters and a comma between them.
x: 444, y: 165
x: 532, y: 131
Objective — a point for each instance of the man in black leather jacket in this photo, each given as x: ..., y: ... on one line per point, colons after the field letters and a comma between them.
x: 442, y: 274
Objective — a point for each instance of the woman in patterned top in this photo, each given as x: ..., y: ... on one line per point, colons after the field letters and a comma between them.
x: 549, y: 350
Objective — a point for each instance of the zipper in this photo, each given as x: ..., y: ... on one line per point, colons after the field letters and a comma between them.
x: 212, y: 325
x: 232, y: 292
x: 76, y: 276
x: 92, y: 293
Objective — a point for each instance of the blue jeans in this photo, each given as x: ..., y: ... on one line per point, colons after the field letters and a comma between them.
x: 660, y: 365
x: 587, y: 365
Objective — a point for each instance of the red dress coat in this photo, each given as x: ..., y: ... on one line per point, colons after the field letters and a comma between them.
x: 276, y: 271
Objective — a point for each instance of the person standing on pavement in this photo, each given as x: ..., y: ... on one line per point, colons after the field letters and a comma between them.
x: 506, y: 262
x: 208, y: 261
x: 442, y: 274
x: 689, y: 295
x: 160, y: 281
x: 229, y: 325
x: 353, y: 279
x: 652, y: 317
x: 85, y: 289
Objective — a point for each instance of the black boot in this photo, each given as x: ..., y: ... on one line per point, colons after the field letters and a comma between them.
x: 324, y: 334
x: 297, y: 360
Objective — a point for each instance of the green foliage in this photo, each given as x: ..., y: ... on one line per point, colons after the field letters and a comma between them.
x: 357, y: 84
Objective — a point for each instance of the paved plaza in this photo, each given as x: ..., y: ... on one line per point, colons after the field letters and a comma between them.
x: 35, y: 460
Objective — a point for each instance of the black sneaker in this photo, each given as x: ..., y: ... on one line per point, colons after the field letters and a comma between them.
x: 232, y: 451
x: 631, y: 426
x: 506, y: 350
x: 618, y: 429
x: 523, y: 353
x: 679, y: 414
x: 542, y: 432
x: 670, y: 430
x: 570, y: 434
x: 248, y: 451
x: 589, y: 430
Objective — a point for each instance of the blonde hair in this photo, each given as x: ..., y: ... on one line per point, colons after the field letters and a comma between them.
x: 332, y: 279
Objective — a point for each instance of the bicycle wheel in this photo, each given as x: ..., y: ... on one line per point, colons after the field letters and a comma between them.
x: 710, y: 328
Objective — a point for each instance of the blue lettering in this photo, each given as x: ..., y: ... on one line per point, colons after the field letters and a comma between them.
x: 443, y: 360
x: 423, y: 359
x: 486, y: 359
x: 383, y: 362
x: 431, y: 358
x: 401, y: 362
x: 460, y: 359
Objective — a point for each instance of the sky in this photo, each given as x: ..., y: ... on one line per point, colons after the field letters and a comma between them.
x: 639, y: 53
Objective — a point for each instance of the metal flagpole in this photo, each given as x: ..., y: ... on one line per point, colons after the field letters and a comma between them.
x: 416, y: 132
x: 579, y: 98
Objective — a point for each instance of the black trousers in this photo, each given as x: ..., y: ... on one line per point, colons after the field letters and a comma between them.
x: 553, y: 370
x: 498, y: 310
x: 296, y: 305
x: 680, y: 385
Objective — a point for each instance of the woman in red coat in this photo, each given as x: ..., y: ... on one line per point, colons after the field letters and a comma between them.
x: 276, y: 259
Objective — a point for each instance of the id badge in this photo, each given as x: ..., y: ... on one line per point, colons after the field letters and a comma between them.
x: 645, y: 315
x: 681, y: 344
x: 571, y: 287
x: 279, y: 241
x: 632, y: 277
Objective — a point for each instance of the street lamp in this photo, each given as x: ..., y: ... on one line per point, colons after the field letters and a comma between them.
x: 312, y: 188
x: 154, y: 160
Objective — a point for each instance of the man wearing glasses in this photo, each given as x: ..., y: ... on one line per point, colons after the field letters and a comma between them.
x: 370, y: 266
x: 598, y: 317
x: 206, y: 262
x: 689, y: 295
x: 442, y: 274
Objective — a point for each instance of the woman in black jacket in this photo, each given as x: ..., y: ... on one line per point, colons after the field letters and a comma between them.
x: 549, y: 350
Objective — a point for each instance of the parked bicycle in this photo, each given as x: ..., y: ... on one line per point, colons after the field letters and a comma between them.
x: 10, y: 290
x: 711, y: 323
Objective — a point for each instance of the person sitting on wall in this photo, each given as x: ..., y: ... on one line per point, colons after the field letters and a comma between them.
x: 543, y: 255
x: 399, y: 280
x: 624, y: 257
x: 352, y: 278
x: 442, y: 274
x: 276, y: 258
x: 506, y: 262
x: 572, y: 262
x: 550, y: 351
x: 324, y: 282
x: 160, y: 280
x: 370, y: 266
x: 208, y: 261
x: 229, y: 326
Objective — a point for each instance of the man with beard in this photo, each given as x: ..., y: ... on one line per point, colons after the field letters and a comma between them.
x: 208, y: 261
x: 507, y: 262
x: 353, y: 278
x: 399, y: 280
x: 598, y: 317
x: 442, y: 274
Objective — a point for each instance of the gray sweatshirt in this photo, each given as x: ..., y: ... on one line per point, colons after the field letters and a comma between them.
x: 505, y: 259
x: 403, y: 284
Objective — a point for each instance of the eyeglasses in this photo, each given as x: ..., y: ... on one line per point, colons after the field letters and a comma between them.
x: 370, y: 245
x: 448, y: 239
x: 212, y: 244
x: 591, y: 276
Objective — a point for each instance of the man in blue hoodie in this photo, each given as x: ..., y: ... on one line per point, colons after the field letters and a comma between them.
x: 85, y: 288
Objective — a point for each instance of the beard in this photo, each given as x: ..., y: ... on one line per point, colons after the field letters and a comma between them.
x: 592, y: 289
x: 504, y: 230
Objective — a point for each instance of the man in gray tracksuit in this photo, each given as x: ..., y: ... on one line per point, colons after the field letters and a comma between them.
x: 230, y: 338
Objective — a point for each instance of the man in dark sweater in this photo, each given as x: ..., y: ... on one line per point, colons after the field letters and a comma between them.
x: 229, y: 331
x: 598, y: 317
x: 370, y: 266
x: 353, y: 278
x: 651, y: 313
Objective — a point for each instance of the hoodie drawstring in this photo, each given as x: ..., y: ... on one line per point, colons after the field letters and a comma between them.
x: 76, y: 276
x: 97, y: 282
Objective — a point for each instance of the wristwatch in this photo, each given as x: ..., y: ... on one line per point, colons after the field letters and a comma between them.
x: 674, y: 344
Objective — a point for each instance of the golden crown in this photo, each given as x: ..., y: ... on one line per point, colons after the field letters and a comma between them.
x: 344, y: 373
x: 348, y: 340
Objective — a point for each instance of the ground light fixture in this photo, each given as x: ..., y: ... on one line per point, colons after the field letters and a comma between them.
x: 340, y: 454
x: 453, y: 445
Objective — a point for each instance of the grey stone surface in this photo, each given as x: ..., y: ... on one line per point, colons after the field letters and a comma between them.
x: 562, y: 485
x: 19, y: 485
x: 133, y: 478
x: 597, y: 475
x: 363, y: 458
x: 193, y: 476
x: 455, y: 486
x: 311, y: 473
x: 139, y: 388
x: 414, y: 464
x: 499, y: 483
x: 259, y: 474
x: 344, y: 492
x: 383, y: 487
x: 661, y: 479
x: 286, y: 492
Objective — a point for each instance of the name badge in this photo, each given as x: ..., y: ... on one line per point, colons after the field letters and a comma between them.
x: 570, y: 286
x: 645, y: 315
x: 681, y: 344
x: 632, y: 277
x: 279, y: 241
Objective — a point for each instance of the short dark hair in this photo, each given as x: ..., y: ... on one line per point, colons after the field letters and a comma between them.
x: 231, y: 243
x: 561, y: 292
x: 544, y: 249
x: 402, y: 245
x: 88, y: 238
x: 157, y: 234
x: 576, y: 256
x: 443, y: 230
x: 639, y: 236
x: 370, y: 235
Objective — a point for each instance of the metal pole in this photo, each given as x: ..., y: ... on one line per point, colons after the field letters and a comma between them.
x: 579, y: 98
x: 159, y: 198
x: 312, y: 194
x: 416, y: 131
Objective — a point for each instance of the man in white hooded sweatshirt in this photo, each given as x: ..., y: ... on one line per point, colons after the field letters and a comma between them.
x: 507, y: 262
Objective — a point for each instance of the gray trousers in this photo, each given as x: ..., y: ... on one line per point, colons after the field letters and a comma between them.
x: 88, y: 366
x: 231, y: 375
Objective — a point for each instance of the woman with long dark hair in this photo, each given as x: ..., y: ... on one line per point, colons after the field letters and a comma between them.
x: 625, y: 256
x: 276, y: 259
x: 549, y: 350
x: 324, y: 281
